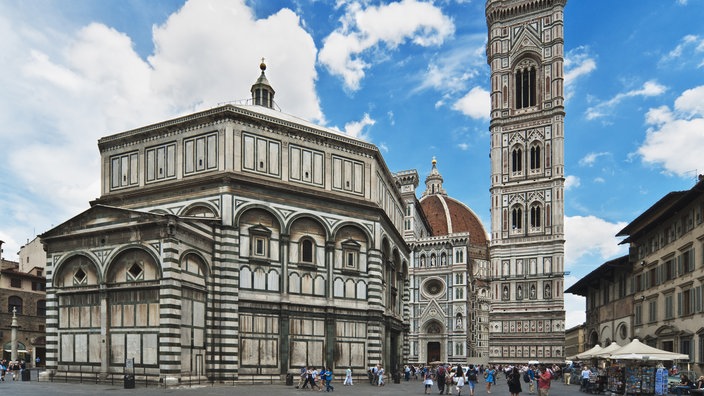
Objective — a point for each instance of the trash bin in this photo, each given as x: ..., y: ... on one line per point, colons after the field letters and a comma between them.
x: 289, y: 379
x: 129, y: 381
x: 26, y: 375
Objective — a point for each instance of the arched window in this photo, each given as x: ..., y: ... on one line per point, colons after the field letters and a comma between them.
x: 517, y: 160
x: 525, y: 87
x: 517, y: 218
x: 535, y: 157
x: 14, y: 302
x: 535, y: 216
x: 307, y: 250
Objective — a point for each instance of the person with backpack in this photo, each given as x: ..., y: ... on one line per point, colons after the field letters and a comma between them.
x: 440, y: 376
x: 530, y: 379
x: 514, y: 382
x: 472, y: 378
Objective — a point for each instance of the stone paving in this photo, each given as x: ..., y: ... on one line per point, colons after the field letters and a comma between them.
x: 33, y: 388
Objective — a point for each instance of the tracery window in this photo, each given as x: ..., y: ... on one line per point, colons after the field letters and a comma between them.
x: 517, y: 160
x: 525, y: 86
x: 517, y: 218
x: 535, y: 214
x: 535, y: 157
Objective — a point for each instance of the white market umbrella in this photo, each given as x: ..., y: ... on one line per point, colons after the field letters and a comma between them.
x: 636, y: 350
x: 588, y: 354
x: 606, y: 352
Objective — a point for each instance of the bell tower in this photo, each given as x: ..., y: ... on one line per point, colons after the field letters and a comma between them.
x: 525, y: 54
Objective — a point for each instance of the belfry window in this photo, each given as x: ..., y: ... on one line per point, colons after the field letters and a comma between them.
x: 517, y: 160
x: 525, y: 87
x: 535, y: 217
x: 535, y: 157
x: 516, y: 218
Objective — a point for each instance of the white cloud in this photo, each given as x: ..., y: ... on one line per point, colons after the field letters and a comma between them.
x: 475, y: 104
x: 690, y: 49
x: 591, y: 158
x: 365, y: 30
x: 572, y: 182
x: 592, y: 239
x: 463, y: 146
x: 575, y: 306
x: 450, y: 71
x: 599, y: 180
x: 673, y: 135
x: 66, y: 86
x: 578, y: 64
x: 602, y: 109
x: 357, y: 129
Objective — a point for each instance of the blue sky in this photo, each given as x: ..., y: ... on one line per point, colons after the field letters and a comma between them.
x: 408, y: 76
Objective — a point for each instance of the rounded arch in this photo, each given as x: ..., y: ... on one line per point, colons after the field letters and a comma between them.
x: 593, y: 338
x: 196, y: 265
x: 132, y: 263
x: 339, y: 228
x: 200, y: 209
x: 66, y: 270
x: 289, y: 228
x: 248, y: 208
x: 308, y: 237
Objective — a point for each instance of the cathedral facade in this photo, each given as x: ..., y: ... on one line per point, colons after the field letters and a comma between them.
x: 449, y: 275
x: 236, y: 243
x: 525, y: 55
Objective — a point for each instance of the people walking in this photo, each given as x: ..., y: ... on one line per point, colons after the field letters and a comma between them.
x: 544, y: 379
x: 471, y: 378
x: 514, y: 382
x: 348, y: 377
x: 428, y: 382
x: 440, y: 377
x: 490, y: 377
x: 326, y: 375
x: 461, y: 379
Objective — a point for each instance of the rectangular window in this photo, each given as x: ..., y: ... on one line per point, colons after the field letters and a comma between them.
x: 200, y: 153
x: 124, y: 170
x: 260, y: 246
x: 16, y: 282
x: 261, y: 155
x: 638, y: 315
x: 669, y: 307
x: 306, y: 166
x: 686, y: 348
x: 348, y: 175
x: 652, y: 311
x: 160, y: 162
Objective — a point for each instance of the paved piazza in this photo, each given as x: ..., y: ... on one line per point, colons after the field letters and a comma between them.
x: 34, y: 388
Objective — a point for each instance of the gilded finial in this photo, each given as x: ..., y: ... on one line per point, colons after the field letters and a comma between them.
x: 262, y: 65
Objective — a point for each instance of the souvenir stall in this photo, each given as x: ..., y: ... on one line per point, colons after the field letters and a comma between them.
x: 613, y: 373
x: 643, y: 371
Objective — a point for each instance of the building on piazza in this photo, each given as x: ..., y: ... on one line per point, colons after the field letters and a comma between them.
x: 449, y: 272
x: 233, y: 243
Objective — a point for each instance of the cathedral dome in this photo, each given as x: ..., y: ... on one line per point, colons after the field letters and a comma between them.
x: 447, y: 215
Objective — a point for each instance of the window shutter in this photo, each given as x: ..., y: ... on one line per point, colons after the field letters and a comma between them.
x: 679, y: 266
x: 692, y: 300
x: 698, y: 299
x: 679, y: 304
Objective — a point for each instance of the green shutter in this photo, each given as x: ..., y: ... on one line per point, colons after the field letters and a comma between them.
x: 679, y: 304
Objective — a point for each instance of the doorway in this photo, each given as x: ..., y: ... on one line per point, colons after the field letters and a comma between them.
x: 433, y: 352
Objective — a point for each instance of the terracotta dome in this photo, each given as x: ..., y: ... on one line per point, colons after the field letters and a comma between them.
x: 447, y: 215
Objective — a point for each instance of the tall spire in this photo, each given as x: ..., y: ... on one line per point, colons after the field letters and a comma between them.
x: 262, y: 92
x: 433, y: 182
